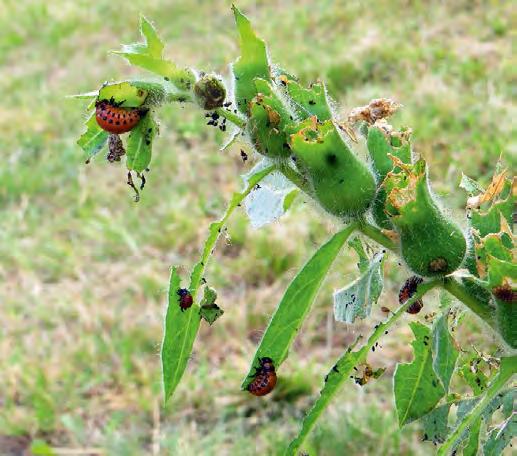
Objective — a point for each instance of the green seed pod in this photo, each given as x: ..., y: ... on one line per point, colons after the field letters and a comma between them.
x: 210, y: 92
x: 380, y: 144
x: 432, y: 245
x: 341, y: 183
x: 506, y: 315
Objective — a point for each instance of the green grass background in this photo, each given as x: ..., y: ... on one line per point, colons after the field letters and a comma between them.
x: 83, y: 269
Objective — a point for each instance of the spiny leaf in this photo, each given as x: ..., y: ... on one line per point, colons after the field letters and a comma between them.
x: 417, y: 388
x: 444, y: 351
x: 94, y: 138
x: 140, y: 144
x: 181, y: 328
x: 296, y: 303
x: 252, y: 63
x: 355, y: 300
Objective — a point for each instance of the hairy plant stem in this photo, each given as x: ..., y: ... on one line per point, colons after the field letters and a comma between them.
x: 360, y: 357
x: 232, y: 117
x: 296, y: 178
x: 378, y: 236
x: 217, y: 227
x: 480, y: 308
x: 507, y: 371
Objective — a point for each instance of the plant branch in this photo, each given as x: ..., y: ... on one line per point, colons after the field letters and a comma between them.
x: 295, y: 177
x: 480, y: 308
x: 378, y: 236
x: 348, y: 361
x: 508, y: 369
x: 216, y: 228
x: 232, y: 117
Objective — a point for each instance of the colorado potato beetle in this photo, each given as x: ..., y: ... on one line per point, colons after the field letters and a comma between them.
x: 185, y: 299
x: 408, y: 290
x: 116, y: 119
x: 264, y: 379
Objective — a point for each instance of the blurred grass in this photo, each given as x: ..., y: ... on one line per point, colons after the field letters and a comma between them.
x: 83, y: 269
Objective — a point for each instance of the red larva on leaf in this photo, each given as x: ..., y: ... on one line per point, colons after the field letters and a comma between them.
x: 185, y: 299
x: 408, y: 290
x: 264, y: 379
x: 116, y: 119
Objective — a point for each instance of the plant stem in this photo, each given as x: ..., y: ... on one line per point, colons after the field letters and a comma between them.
x: 480, y: 308
x: 232, y: 117
x: 348, y: 362
x: 295, y: 177
x: 216, y: 228
x: 507, y: 370
x: 378, y: 236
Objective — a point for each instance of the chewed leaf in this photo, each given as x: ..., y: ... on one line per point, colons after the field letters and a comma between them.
x: 180, y: 331
x: 94, y: 138
x: 445, y: 353
x: 209, y: 310
x: 140, y: 143
x: 494, y: 189
x: 416, y: 386
x: 501, y: 436
x: 364, y: 261
x: 125, y: 93
x: 310, y: 102
x: 470, y: 185
x: 210, y: 313
x: 435, y: 424
x: 355, y: 300
x: 252, y: 63
x: 267, y: 202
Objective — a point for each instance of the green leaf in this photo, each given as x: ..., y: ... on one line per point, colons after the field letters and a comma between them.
x: 140, y: 144
x: 355, y: 300
x: 470, y: 185
x: 500, y: 437
x: 364, y: 261
x: 417, y: 388
x: 296, y: 303
x: 310, y: 102
x: 209, y: 310
x: 181, y: 328
x: 127, y: 93
x: 435, y: 424
x: 94, y: 138
x: 252, y: 63
x: 148, y: 55
x: 444, y: 351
